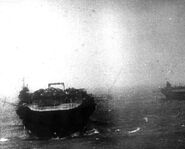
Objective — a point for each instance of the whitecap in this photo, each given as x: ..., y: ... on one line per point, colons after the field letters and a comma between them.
x: 76, y: 134
x: 117, y: 130
x: 3, y: 139
x: 92, y: 132
x: 146, y: 119
x: 134, y: 131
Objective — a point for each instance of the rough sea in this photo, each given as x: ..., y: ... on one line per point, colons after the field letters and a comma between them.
x: 134, y: 119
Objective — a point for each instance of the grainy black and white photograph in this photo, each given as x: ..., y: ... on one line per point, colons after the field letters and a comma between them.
x: 92, y: 74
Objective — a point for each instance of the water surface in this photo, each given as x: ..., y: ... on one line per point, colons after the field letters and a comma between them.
x: 131, y: 120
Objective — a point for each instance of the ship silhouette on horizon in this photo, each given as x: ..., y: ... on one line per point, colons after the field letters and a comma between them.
x: 173, y: 92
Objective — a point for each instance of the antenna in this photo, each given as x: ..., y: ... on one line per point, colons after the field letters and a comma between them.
x: 23, y: 82
x: 116, y: 78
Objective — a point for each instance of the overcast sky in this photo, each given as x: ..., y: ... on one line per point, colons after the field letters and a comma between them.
x: 91, y: 43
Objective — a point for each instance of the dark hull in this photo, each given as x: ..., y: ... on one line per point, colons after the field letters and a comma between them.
x: 173, y: 95
x: 58, y: 123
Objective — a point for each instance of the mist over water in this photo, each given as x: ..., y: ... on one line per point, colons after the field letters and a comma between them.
x: 90, y: 44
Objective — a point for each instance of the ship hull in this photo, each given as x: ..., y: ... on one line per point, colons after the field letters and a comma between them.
x: 58, y: 123
x: 173, y: 95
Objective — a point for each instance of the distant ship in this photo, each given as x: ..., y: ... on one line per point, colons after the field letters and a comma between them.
x: 174, y: 93
x: 54, y: 112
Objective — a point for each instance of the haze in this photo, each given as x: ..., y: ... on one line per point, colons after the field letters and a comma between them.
x: 91, y: 44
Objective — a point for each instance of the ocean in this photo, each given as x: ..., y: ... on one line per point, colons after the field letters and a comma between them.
x: 133, y: 119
